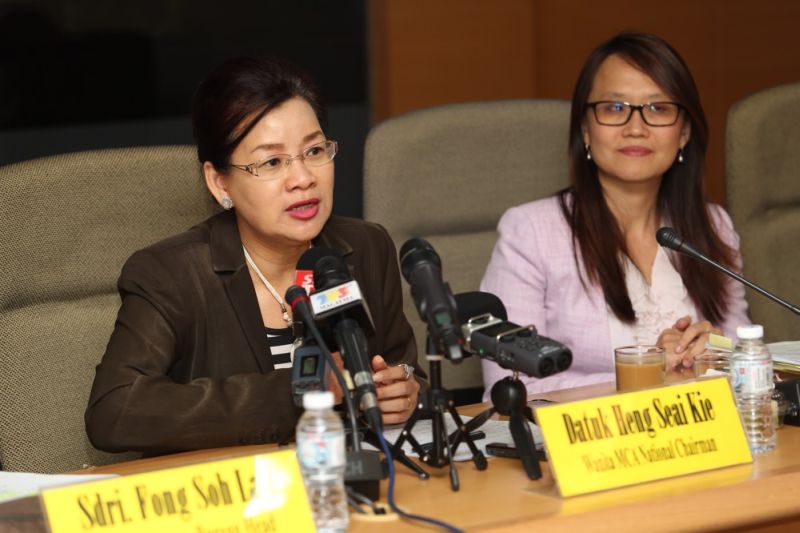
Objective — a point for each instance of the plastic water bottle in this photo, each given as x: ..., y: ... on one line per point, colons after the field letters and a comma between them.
x: 320, y: 451
x: 751, y: 376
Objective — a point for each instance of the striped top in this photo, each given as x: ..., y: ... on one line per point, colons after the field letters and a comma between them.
x: 280, y: 345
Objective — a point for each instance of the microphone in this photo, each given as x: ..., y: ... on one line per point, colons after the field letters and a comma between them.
x: 308, y: 364
x: 363, y: 470
x: 304, y: 275
x: 422, y: 269
x: 337, y: 300
x: 668, y: 238
x: 298, y: 300
x: 513, y: 347
x: 335, y: 290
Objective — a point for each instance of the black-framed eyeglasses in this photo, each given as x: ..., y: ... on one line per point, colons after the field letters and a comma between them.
x: 276, y: 165
x: 616, y: 113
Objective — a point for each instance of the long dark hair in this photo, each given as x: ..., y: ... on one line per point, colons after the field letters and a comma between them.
x: 681, y: 197
x: 236, y: 95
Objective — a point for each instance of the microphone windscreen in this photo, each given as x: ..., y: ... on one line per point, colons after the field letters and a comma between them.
x: 412, y: 244
x: 667, y: 238
x: 310, y: 257
x: 472, y: 304
x: 329, y: 271
x: 293, y: 293
x: 414, y: 252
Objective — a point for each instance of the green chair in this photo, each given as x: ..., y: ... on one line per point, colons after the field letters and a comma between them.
x: 448, y: 173
x: 762, y: 164
x: 69, y: 223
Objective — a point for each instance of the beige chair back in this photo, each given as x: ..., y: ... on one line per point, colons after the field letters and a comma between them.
x: 69, y: 223
x: 762, y: 160
x: 448, y: 173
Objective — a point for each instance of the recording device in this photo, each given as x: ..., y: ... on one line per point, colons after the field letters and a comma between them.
x: 422, y: 268
x: 668, y: 238
x: 338, y: 302
x: 308, y: 372
x: 489, y: 335
x: 308, y: 366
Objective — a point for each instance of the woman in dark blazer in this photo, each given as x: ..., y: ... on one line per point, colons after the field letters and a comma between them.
x: 200, y: 355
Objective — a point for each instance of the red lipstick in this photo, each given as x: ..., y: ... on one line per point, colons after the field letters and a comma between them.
x: 304, y: 209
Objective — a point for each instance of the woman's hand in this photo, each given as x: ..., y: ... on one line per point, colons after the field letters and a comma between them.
x: 397, y: 390
x: 684, y: 340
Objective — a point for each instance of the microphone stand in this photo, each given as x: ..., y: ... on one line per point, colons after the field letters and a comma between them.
x: 510, y: 398
x: 436, y: 402
x: 368, y: 435
x: 667, y: 238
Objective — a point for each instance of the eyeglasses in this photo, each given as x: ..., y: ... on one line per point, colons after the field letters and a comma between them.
x: 612, y: 113
x: 276, y: 165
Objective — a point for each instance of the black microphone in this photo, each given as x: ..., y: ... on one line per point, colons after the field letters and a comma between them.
x: 513, y: 347
x: 668, y: 238
x: 422, y: 268
x: 337, y: 300
x: 363, y: 468
x: 334, y: 289
x: 298, y: 300
x: 308, y: 364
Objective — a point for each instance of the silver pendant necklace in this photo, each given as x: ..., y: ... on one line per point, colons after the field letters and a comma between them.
x: 269, y: 287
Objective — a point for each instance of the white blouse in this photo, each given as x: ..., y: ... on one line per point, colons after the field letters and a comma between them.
x: 657, y: 306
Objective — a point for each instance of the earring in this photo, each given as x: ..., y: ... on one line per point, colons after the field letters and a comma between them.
x: 226, y: 203
x: 680, y: 155
x: 588, y: 153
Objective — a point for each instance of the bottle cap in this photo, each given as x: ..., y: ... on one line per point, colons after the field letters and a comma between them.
x: 754, y: 331
x: 318, y: 400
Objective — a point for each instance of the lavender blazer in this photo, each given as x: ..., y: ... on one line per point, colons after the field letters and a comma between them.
x: 533, y: 271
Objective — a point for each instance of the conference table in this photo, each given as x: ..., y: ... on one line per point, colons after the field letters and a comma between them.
x: 764, y: 495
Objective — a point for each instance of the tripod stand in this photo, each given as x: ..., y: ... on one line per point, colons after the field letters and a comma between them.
x: 436, y: 401
x: 509, y: 398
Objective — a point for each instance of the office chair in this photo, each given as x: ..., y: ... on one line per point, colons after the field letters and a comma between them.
x: 69, y: 223
x: 762, y: 163
x: 448, y: 173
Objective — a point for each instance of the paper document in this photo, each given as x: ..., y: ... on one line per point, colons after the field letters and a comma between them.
x: 495, y: 430
x: 785, y: 355
x: 14, y: 485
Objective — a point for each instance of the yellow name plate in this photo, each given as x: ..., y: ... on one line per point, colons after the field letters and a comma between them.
x: 633, y: 437
x: 263, y: 493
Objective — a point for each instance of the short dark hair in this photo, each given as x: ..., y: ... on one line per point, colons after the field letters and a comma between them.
x: 681, y: 196
x: 236, y: 95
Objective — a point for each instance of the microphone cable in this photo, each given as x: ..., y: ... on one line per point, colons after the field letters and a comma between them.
x: 390, y: 494
x: 315, y: 333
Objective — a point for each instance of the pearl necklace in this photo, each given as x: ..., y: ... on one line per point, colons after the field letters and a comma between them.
x: 269, y: 287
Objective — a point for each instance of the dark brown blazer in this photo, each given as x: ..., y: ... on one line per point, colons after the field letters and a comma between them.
x: 188, y: 365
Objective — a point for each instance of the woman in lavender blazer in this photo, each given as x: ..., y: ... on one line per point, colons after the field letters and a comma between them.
x: 584, y: 266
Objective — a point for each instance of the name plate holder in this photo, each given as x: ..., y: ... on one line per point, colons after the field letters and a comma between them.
x: 248, y: 494
x: 635, y: 437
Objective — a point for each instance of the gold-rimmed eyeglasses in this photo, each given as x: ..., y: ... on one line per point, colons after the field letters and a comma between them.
x: 615, y: 113
x: 276, y: 165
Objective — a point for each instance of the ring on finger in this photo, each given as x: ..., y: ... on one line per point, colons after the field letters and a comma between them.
x: 408, y: 371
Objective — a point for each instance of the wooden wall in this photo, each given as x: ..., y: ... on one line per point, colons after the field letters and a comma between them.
x: 430, y: 52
